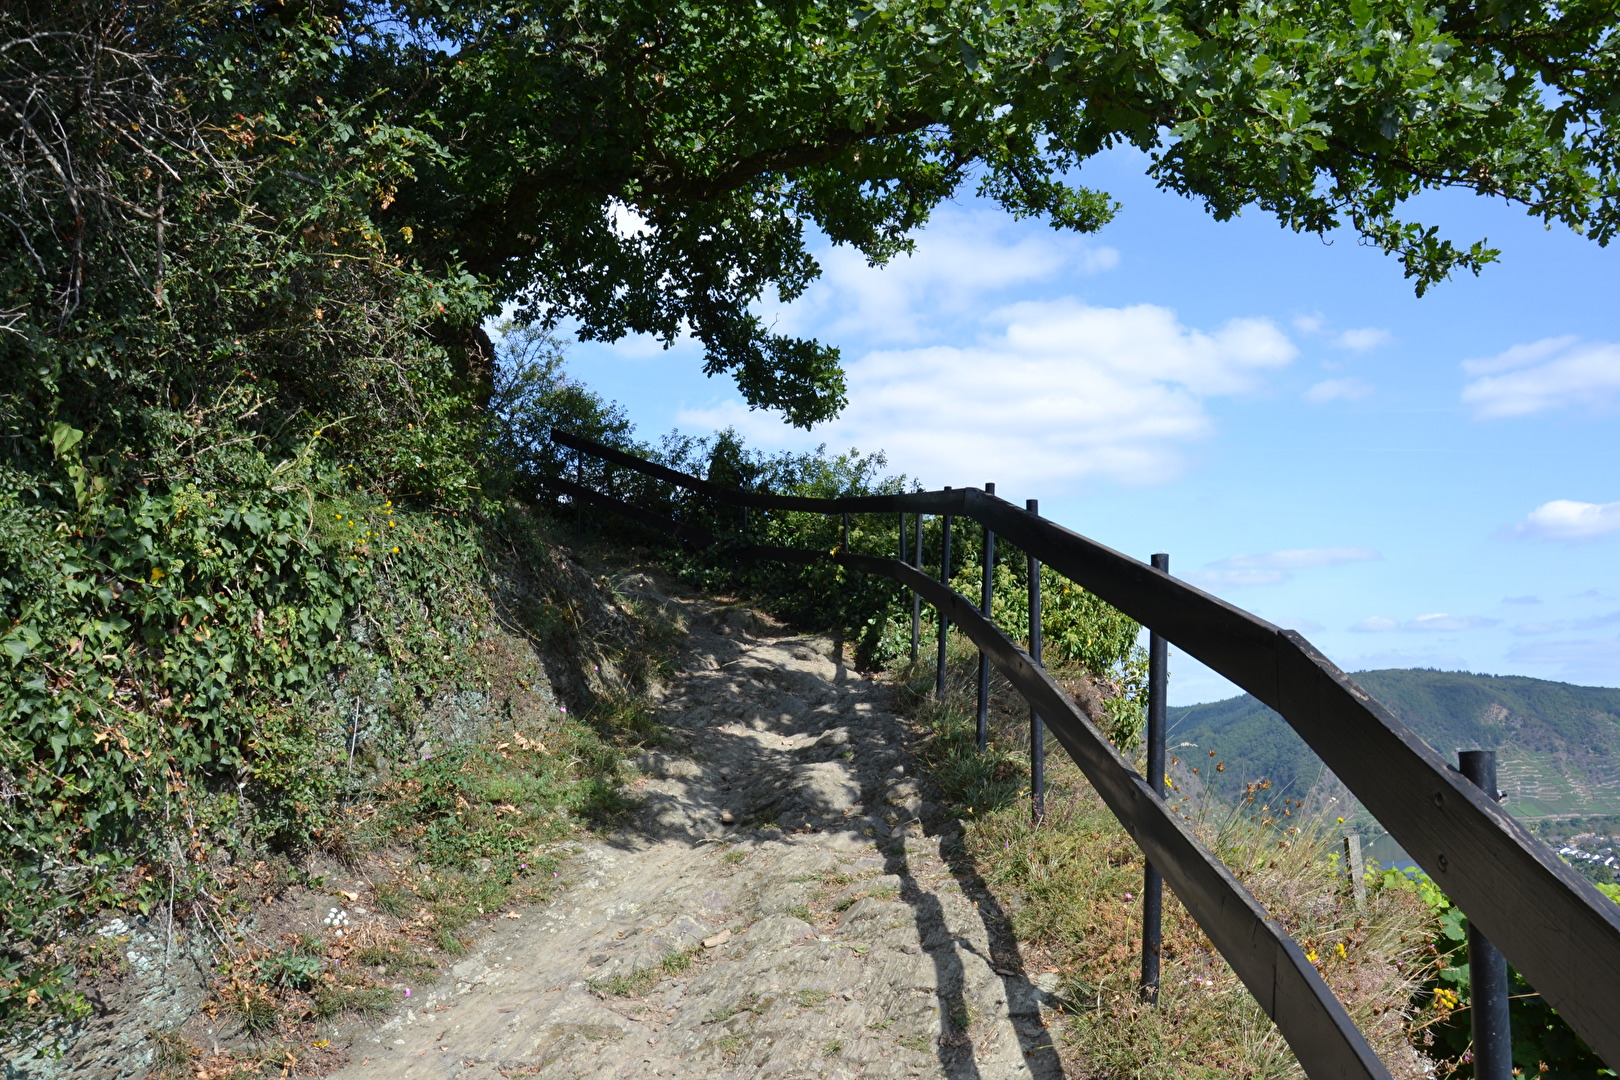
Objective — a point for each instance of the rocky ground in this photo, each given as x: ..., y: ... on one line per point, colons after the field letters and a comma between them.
x: 780, y: 907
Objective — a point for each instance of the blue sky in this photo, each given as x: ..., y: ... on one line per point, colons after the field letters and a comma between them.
x: 1407, y: 482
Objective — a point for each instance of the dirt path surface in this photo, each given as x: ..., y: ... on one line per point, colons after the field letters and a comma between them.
x: 834, y: 942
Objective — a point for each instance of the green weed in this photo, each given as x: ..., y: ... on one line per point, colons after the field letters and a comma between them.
x: 394, y: 960
x: 749, y: 1003
x: 392, y: 899
x: 639, y: 981
x: 333, y: 1000
x: 290, y: 969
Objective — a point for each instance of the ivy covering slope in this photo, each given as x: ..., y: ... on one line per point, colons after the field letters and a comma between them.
x: 239, y: 461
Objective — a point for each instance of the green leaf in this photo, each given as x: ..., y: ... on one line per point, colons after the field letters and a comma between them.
x: 64, y: 437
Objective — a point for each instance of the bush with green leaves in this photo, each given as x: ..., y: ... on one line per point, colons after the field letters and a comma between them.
x: 1543, y: 1044
x: 239, y: 461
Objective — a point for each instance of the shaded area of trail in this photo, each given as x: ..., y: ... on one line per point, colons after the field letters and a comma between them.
x: 778, y: 908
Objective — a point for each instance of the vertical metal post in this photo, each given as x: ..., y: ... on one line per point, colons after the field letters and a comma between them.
x: 916, y: 598
x: 1487, y: 967
x: 986, y: 596
x: 1152, y: 883
x: 844, y: 540
x: 1037, y: 730
x: 943, y: 620
x: 1355, y: 869
x: 579, y: 478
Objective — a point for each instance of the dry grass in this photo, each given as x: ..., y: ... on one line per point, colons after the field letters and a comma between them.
x: 1073, y: 887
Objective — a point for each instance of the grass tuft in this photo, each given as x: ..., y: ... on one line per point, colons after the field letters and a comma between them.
x: 638, y: 982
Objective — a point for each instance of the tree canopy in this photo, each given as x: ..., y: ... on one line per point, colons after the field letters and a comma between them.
x: 655, y: 167
x: 730, y: 128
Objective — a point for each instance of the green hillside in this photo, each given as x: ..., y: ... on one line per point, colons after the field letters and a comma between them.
x: 1558, y: 744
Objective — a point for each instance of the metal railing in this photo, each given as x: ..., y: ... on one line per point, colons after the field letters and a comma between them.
x: 1554, y: 926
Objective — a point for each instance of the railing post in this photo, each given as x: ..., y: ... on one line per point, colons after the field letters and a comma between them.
x: 986, y: 597
x: 916, y: 598
x: 1355, y: 870
x: 1487, y: 967
x: 1152, y: 882
x: 579, y: 478
x: 844, y: 539
x: 1037, y: 730
x: 943, y: 621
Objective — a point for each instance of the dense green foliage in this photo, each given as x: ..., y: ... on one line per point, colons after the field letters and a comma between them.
x: 236, y: 470
x: 1543, y: 1045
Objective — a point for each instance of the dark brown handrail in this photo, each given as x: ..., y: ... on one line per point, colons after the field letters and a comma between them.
x: 1552, y: 924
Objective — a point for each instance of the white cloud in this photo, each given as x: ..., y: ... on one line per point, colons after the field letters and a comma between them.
x: 1367, y: 337
x: 1551, y: 373
x: 1566, y: 519
x: 1053, y: 393
x: 960, y: 262
x: 1338, y: 390
x: 1438, y: 622
x: 1375, y: 624
x: 1519, y: 356
x: 1309, y: 324
x: 1276, y: 567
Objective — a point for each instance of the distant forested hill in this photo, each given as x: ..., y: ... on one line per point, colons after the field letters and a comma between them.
x: 1558, y: 744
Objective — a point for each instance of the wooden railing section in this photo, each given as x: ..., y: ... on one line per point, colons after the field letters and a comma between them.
x: 1553, y: 925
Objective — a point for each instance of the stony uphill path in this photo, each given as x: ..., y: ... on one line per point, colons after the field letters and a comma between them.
x: 901, y: 971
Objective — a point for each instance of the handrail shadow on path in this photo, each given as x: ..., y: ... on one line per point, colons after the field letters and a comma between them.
x: 752, y: 774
